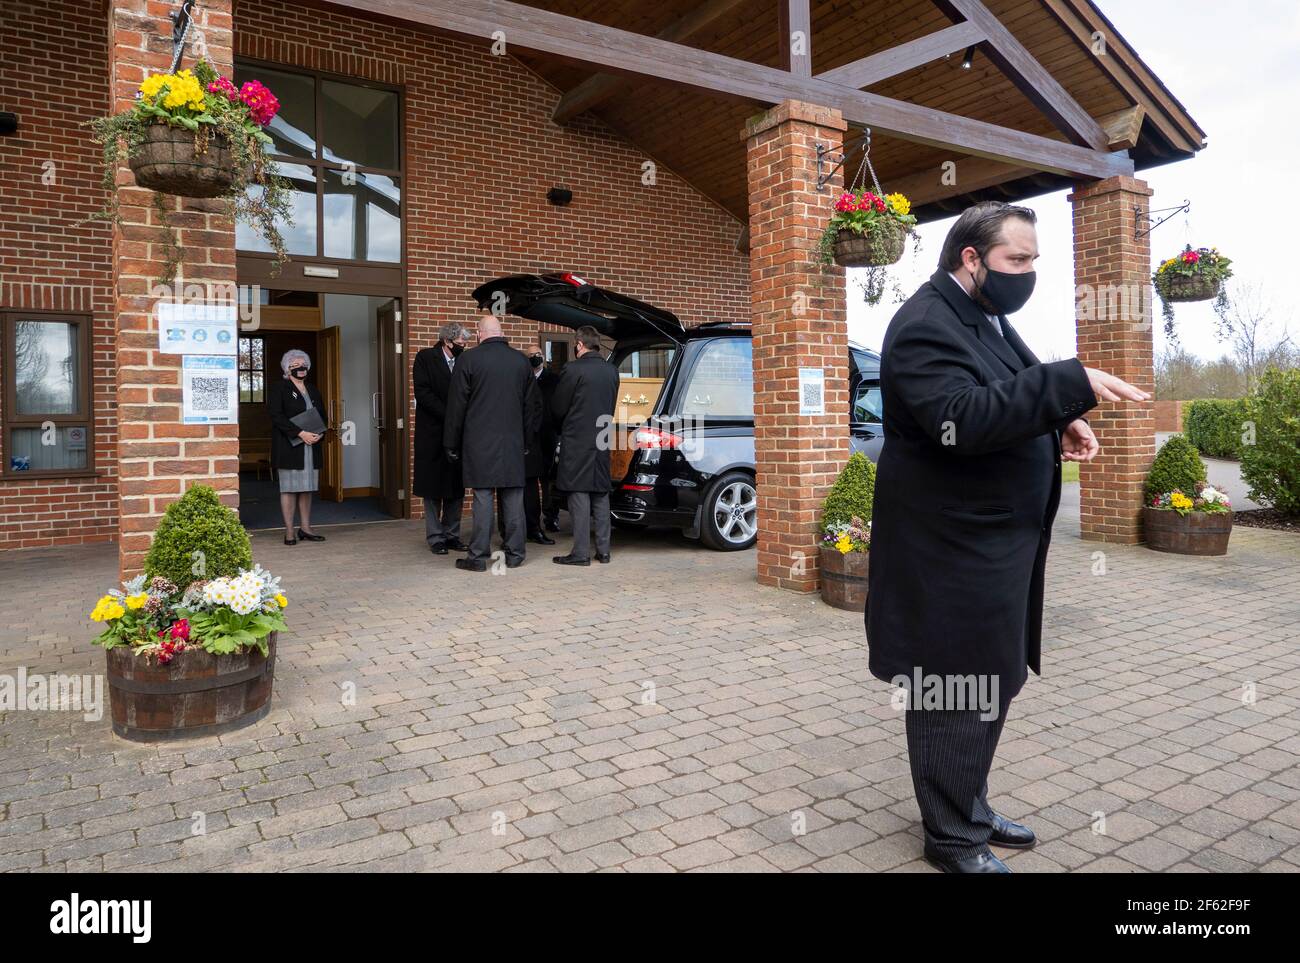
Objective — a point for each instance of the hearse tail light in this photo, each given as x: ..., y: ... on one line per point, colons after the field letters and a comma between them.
x: 655, y: 438
x: 638, y: 488
x: 569, y: 278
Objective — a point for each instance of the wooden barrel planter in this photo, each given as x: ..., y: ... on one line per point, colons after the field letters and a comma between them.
x: 168, y: 161
x: 196, y: 694
x: 1196, y: 533
x: 1195, y: 287
x: 844, y: 578
x: 880, y: 245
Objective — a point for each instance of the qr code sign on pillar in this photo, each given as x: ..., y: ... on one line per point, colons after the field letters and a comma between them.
x: 209, y: 390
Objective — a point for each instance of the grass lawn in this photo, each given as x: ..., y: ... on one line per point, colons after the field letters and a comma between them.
x: 1069, y: 471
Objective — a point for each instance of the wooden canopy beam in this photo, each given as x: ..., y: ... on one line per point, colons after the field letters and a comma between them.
x: 621, y: 51
x: 795, y: 37
x: 1124, y: 127
x: 896, y: 60
x: 597, y: 89
x: 1030, y: 77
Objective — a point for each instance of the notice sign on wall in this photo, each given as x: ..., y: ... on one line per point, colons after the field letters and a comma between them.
x: 812, y: 391
x: 209, y: 390
x: 198, y: 328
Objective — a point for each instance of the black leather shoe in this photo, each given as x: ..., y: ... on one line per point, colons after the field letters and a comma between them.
x: 602, y: 559
x: 552, y: 524
x: 984, y: 862
x: 456, y: 545
x: 1011, y: 835
x: 471, y: 565
x: 310, y: 536
x: 570, y: 560
x: 514, y: 562
x: 541, y: 538
x: 291, y: 541
x: 438, y: 549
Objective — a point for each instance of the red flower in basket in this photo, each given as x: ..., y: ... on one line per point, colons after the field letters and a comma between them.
x: 1191, y: 257
x: 847, y: 202
x: 181, y: 630
x: 261, y: 103
x: 224, y: 87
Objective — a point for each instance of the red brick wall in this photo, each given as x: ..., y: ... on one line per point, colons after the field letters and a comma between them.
x: 481, y: 154
x: 55, y: 75
x: 1168, y: 415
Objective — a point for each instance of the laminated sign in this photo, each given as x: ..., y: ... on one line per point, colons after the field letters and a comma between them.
x: 209, y: 390
x: 197, y: 328
x: 812, y: 391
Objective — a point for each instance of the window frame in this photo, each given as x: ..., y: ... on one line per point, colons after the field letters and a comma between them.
x: 240, y: 369
x: 320, y: 165
x: 9, y: 319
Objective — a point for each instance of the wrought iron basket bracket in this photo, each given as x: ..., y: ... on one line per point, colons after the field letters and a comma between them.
x: 1139, y: 218
x: 181, y: 21
x: 825, y: 156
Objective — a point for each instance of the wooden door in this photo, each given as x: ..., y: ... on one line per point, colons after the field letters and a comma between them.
x: 329, y: 379
x: 389, y: 408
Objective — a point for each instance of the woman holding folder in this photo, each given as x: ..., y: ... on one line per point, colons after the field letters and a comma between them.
x: 296, y: 412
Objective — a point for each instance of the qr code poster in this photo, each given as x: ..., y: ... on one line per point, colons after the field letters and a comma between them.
x: 812, y: 391
x: 209, y: 390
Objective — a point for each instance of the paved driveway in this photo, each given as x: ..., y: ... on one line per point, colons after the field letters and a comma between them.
x: 663, y: 713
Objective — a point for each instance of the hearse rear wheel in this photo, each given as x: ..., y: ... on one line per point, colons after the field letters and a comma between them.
x: 730, y: 522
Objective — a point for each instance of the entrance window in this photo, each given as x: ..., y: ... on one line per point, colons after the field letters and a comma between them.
x: 47, y: 425
x: 338, y: 143
x: 252, y: 370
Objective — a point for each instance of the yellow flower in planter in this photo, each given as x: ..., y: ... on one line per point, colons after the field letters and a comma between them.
x: 1180, y: 501
x: 134, y: 602
x: 107, y: 609
x: 844, y: 544
x: 281, y: 600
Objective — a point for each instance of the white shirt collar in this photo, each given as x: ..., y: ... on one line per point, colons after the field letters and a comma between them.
x: 993, y: 318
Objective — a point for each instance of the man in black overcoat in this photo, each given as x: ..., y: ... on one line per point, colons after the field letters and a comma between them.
x: 583, y: 407
x: 541, y: 454
x: 493, y: 406
x: 437, y: 478
x: 967, y: 486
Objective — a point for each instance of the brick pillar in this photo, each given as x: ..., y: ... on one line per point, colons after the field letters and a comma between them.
x: 1112, y: 272
x: 158, y: 456
x: 799, y: 321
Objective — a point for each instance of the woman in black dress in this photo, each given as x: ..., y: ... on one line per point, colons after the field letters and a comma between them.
x: 297, y: 467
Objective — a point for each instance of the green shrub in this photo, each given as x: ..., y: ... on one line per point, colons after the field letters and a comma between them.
x: 1271, y: 466
x: 198, y: 523
x: 852, y: 492
x: 1215, y: 426
x: 1176, y: 466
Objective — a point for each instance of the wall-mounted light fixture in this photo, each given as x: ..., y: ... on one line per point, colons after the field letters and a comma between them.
x: 969, y: 59
x: 559, y: 196
x: 8, y: 122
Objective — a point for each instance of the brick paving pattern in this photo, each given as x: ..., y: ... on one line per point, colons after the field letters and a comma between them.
x: 662, y: 713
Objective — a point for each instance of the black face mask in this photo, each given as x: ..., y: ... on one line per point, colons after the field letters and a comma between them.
x: 456, y: 349
x: 535, y: 360
x: 1003, y: 293
x: 298, y: 373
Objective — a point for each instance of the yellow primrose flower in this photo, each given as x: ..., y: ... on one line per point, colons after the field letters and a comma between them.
x: 844, y: 544
x: 107, y: 609
x: 283, y: 602
x: 134, y: 602
x: 1179, y: 500
x: 899, y: 203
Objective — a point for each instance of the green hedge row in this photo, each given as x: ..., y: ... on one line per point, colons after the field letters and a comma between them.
x: 1216, y: 425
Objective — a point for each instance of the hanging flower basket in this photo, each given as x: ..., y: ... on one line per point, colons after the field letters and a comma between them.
x: 879, y: 244
x: 1197, y: 274
x: 195, y: 134
x: 173, y: 161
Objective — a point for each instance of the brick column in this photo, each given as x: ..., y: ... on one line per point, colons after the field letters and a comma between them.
x: 799, y: 321
x: 158, y: 456
x: 1112, y: 272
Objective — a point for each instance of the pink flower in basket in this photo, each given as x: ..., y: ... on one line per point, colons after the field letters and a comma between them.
x: 261, y: 103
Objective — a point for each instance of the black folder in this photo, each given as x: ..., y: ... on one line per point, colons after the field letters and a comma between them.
x: 309, y: 420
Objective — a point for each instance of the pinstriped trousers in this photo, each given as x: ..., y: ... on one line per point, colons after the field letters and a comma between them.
x: 950, y: 752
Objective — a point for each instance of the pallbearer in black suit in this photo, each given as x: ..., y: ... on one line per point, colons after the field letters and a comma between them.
x: 437, y: 478
x: 967, y: 486
x: 493, y: 406
x: 583, y: 407
x: 541, y: 454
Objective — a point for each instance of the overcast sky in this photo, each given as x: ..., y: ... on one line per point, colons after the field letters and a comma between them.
x: 1236, y: 68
